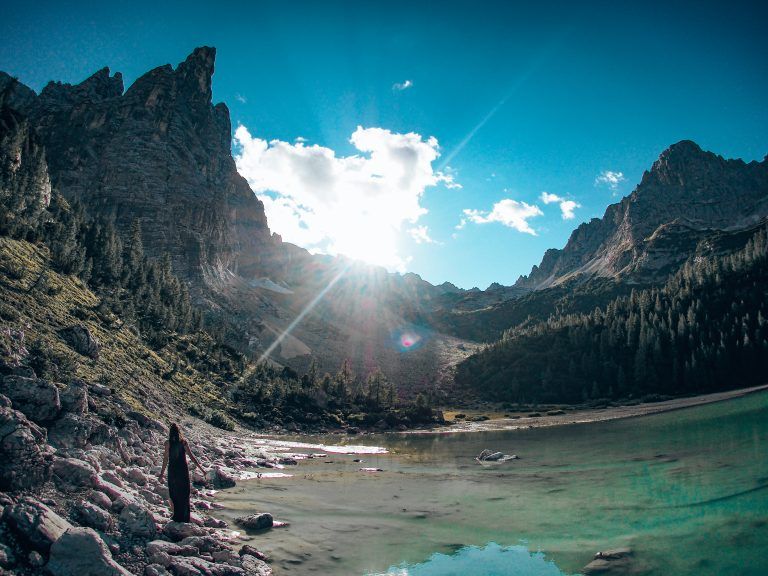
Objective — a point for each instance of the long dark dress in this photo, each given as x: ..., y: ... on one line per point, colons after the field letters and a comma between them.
x: 178, y: 481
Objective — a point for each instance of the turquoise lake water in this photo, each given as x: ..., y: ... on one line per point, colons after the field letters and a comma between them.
x: 687, y: 491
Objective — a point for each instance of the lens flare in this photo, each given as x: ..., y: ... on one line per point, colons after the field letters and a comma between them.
x: 408, y: 339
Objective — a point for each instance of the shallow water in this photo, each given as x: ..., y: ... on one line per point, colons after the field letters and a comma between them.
x: 686, y: 490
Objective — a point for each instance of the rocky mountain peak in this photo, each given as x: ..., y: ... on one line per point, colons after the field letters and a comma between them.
x: 687, y: 194
x: 196, y: 72
x: 160, y: 153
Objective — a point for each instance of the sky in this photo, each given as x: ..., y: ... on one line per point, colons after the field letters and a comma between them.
x: 457, y: 140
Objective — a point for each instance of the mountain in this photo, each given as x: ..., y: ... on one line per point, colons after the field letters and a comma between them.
x: 157, y: 156
x: 688, y: 196
x: 159, y: 153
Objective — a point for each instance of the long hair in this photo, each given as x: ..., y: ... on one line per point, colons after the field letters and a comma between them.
x: 174, y: 434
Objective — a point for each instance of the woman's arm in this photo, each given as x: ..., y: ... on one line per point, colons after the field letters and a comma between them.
x: 165, y: 462
x: 192, y: 457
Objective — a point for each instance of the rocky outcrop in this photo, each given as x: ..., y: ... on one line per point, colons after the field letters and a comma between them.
x: 82, y: 341
x: 160, y: 153
x: 686, y: 197
x: 38, y: 399
x: 26, y: 457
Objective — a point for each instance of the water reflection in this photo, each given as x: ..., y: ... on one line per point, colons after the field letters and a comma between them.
x: 489, y: 560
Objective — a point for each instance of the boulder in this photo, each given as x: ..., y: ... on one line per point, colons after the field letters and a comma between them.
x: 179, y: 530
x: 38, y: 399
x: 35, y: 523
x: 254, y: 566
x: 72, y: 474
x: 70, y: 431
x: 137, y: 521
x: 81, y: 341
x: 92, y: 516
x: 26, y: 457
x: 220, y: 478
x: 617, y: 562
x: 258, y: 521
x: 81, y: 551
x: 75, y: 398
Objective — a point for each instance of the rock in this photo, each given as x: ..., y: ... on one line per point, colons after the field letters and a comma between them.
x: 71, y: 473
x: 100, y: 389
x: 259, y: 521
x: 251, y: 551
x: 136, y: 520
x: 146, y: 422
x: 93, y: 516
x: 211, y: 522
x: 206, y: 544
x: 255, y: 566
x: 179, y: 530
x: 100, y: 499
x: 220, y: 478
x: 26, y: 457
x: 75, y: 398
x: 7, y: 558
x: 70, y: 431
x: 193, y: 566
x: 37, y: 399
x: 155, y: 570
x: 81, y: 341
x: 35, y: 523
x: 615, y: 562
x: 36, y: 559
x: 80, y: 552
x: 136, y: 476
x: 160, y: 551
x: 227, y: 557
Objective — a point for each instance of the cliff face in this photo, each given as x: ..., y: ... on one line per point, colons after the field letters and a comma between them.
x: 687, y: 196
x: 159, y: 152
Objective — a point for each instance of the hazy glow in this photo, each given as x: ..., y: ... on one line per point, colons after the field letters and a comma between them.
x: 300, y: 316
x: 353, y: 205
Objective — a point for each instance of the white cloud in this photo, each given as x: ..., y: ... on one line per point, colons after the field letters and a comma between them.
x: 400, y: 86
x: 420, y: 234
x: 509, y: 212
x: 352, y: 205
x: 610, y: 179
x: 566, y: 206
x: 240, y: 98
x: 461, y: 225
x: 299, y: 139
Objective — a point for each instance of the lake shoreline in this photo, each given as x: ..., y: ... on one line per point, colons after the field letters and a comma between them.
x: 588, y: 415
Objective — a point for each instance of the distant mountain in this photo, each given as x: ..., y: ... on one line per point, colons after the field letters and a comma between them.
x: 687, y: 197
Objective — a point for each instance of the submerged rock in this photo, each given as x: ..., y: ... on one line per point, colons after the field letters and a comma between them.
x: 259, y: 521
x: 80, y: 552
x: 617, y: 562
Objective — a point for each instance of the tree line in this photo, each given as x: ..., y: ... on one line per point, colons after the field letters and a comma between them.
x: 705, y: 329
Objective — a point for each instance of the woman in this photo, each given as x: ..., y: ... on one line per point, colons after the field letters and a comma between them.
x: 175, y: 458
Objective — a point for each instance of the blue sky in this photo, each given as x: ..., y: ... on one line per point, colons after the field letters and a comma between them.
x: 522, y: 98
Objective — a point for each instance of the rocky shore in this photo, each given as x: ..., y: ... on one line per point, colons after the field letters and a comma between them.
x: 79, y: 489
